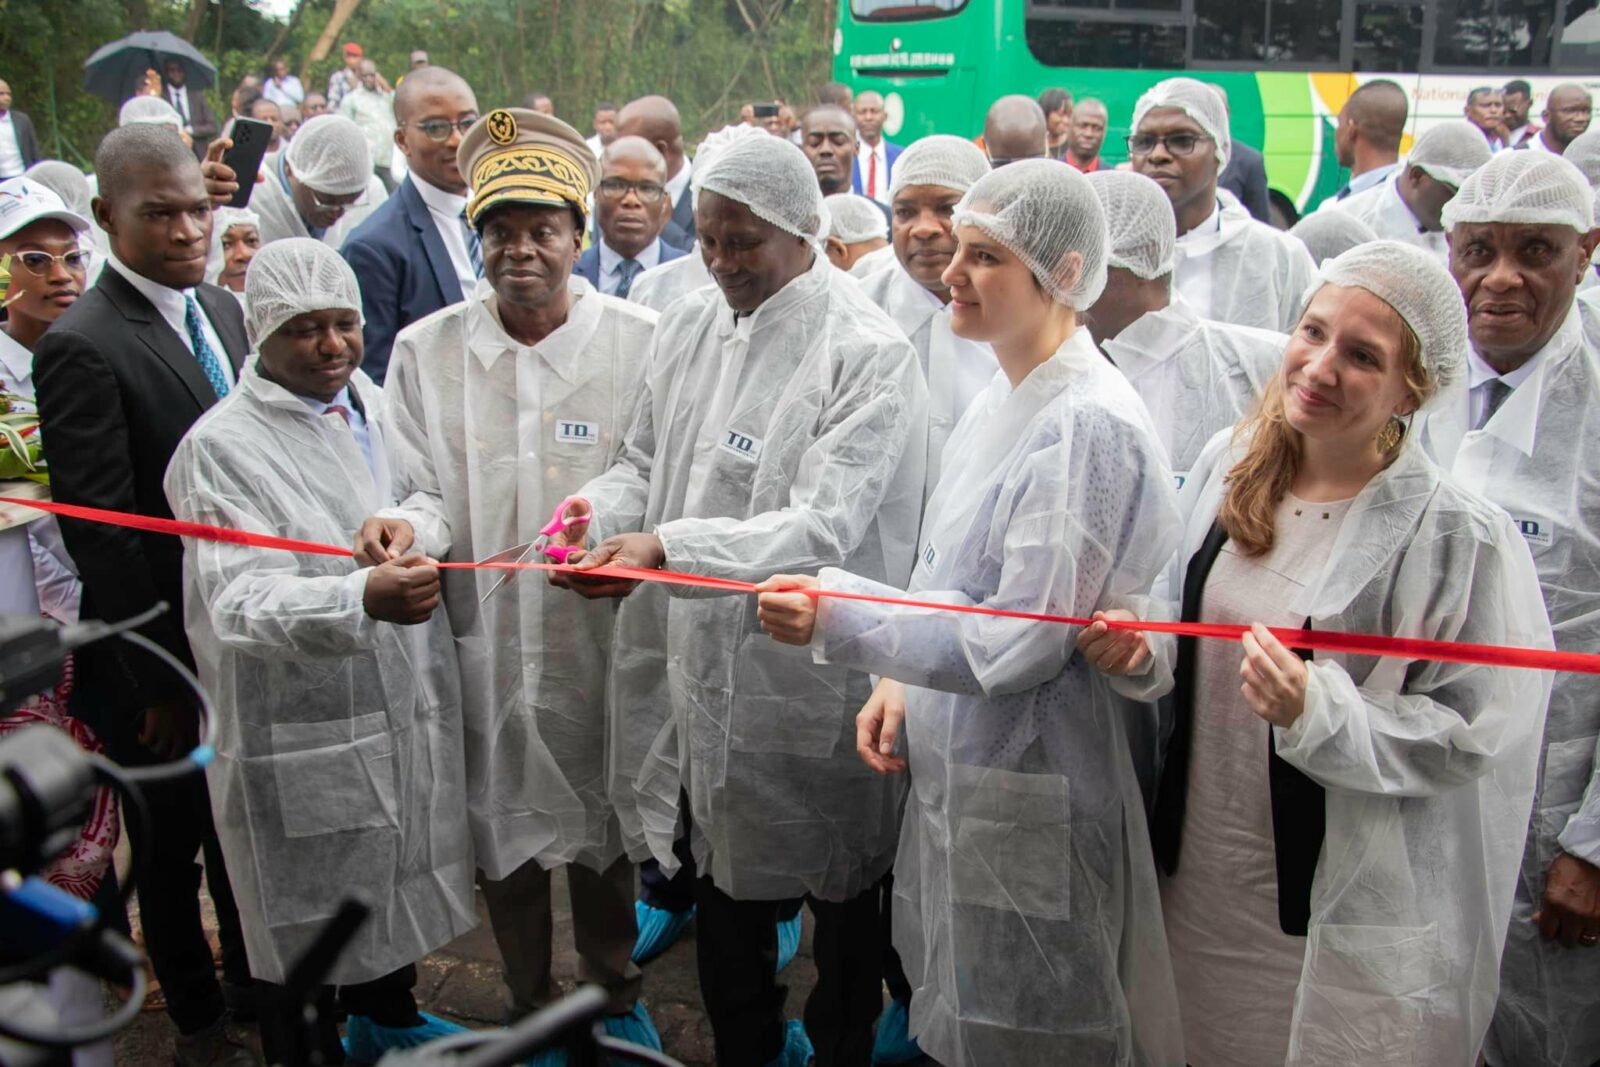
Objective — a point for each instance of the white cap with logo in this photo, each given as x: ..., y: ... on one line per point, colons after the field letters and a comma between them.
x: 24, y: 202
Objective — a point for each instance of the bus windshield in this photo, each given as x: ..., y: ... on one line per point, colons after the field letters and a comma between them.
x: 903, y: 10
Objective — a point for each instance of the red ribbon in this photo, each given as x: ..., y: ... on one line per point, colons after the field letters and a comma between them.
x: 1313, y: 640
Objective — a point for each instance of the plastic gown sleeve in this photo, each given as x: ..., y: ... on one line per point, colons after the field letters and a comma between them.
x: 1449, y: 723
x: 405, y: 434
x: 258, y: 601
x: 838, y: 485
x: 621, y: 495
x: 1055, y: 556
x: 1581, y: 836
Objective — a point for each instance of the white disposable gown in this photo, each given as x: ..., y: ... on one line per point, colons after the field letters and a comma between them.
x: 1195, y: 377
x: 664, y: 283
x: 874, y: 261
x: 1535, y: 458
x: 1428, y: 767
x: 281, y: 219
x: 488, y: 436
x: 1382, y: 209
x: 339, y: 768
x: 1025, y: 909
x: 1235, y: 269
x: 781, y: 442
x: 955, y: 369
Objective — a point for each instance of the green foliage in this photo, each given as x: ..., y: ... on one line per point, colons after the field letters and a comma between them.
x: 709, y: 56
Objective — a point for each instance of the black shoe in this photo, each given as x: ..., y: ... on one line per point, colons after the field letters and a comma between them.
x: 242, y: 999
x: 212, y: 1047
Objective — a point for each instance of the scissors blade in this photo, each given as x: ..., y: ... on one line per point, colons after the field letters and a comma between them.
x: 514, y: 554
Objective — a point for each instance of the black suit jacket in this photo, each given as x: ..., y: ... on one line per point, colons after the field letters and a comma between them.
x: 203, y: 125
x: 118, y: 389
x: 27, y: 140
x: 1245, y: 177
x: 679, y: 231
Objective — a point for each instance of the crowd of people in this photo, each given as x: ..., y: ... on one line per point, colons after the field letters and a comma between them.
x: 887, y: 385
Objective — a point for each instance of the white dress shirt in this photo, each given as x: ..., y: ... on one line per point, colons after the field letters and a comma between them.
x: 1536, y: 143
x: 679, y: 182
x: 445, y: 209
x: 1479, y: 374
x: 611, y: 264
x: 11, y: 161
x: 865, y: 153
x: 16, y: 371
x: 171, y: 305
x: 1192, y: 278
x: 288, y: 93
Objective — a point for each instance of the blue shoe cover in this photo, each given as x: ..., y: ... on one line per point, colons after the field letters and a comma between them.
x: 894, y: 1044
x: 634, y: 1026
x: 658, y: 929
x: 797, y: 1050
x: 788, y: 942
x: 366, y: 1042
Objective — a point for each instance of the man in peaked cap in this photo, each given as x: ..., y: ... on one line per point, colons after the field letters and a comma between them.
x: 497, y: 410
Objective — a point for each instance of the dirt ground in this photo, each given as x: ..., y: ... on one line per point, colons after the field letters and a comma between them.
x: 461, y: 982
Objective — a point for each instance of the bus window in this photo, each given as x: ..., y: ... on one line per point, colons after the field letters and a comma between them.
x: 1506, y: 34
x: 903, y: 10
x: 1304, y: 31
x: 1580, y: 39
x: 1057, y: 42
x: 1267, y: 31
x: 1388, y: 36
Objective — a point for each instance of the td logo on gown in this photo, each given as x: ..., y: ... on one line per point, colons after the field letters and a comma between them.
x: 740, y: 444
x: 578, y: 433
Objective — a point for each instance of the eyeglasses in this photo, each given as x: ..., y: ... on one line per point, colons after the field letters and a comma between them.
x: 438, y: 130
x: 1178, y: 144
x: 617, y: 188
x: 39, y: 263
x: 338, y: 203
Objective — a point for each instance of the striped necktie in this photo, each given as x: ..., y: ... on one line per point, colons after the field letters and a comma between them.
x: 474, y: 245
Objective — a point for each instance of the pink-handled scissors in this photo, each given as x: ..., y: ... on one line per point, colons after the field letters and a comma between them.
x: 560, y: 522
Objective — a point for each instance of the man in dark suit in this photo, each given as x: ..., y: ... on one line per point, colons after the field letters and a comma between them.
x: 192, y: 107
x: 1245, y: 175
x: 120, y: 379
x: 655, y: 118
x: 632, y: 208
x: 415, y: 254
x: 19, y: 145
x: 875, y: 155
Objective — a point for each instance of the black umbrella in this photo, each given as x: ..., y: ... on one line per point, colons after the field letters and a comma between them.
x: 116, y: 69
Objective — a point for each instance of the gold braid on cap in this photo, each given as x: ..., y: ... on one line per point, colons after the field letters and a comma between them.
x: 512, y: 173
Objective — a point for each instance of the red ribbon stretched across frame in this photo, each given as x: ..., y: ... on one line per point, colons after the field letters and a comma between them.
x: 1313, y: 640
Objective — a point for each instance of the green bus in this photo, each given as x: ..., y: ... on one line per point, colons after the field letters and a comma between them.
x: 1287, y: 65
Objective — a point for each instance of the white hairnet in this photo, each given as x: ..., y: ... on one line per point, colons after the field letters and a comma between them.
x: 1197, y: 100
x: 953, y: 162
x: 1584, y: 153
x: 717, y: 140
x: 1450, y: 151
x: 1417, y: 285
x: 771, y: 177
x: 330, y: 154
x: 151, y: 109
x: 1529, y: 188
x: 1329, y: 233
x: 66, y: 181
x: 1143, y: 232
x: 1044, y: 212
x: 853, y: 218
x: 291, y: 277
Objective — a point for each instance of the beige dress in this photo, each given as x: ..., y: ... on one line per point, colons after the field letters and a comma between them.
x: 1236, y: 970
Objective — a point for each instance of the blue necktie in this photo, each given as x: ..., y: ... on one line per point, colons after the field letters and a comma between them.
x: 474, y: 246
x: 629, y: 269
x: 203, y: 352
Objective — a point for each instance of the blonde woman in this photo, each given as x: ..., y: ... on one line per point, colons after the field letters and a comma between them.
x: 1339, y: 835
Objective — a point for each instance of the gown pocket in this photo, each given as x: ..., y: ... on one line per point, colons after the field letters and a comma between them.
x: 334, y: 776
x: 1010, y: 838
